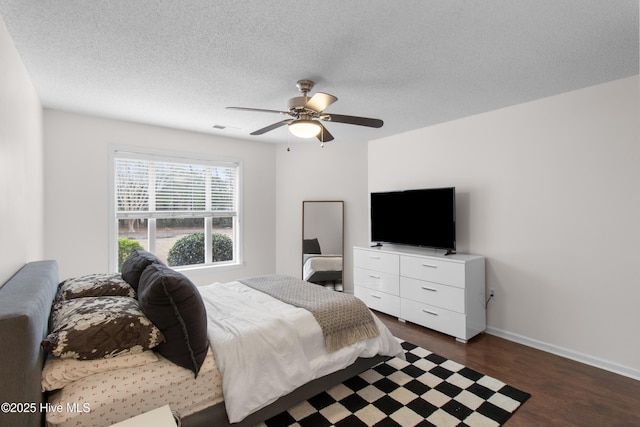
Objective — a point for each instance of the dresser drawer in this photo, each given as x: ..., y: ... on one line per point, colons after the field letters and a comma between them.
x: 433, y: 270
x: 442, y: 320
x: 376, y: 280
x: 434, y: 294
x: 380, y: 301
x: 375, y: 260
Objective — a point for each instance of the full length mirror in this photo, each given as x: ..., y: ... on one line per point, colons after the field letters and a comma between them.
x: 323, y: 243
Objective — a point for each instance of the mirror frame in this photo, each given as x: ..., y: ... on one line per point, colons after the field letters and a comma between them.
x: 341, y: 204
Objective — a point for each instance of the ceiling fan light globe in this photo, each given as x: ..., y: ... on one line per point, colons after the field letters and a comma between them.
x: 305, y: 128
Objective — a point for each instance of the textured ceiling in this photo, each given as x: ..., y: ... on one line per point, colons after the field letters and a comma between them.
x: 411, y: 63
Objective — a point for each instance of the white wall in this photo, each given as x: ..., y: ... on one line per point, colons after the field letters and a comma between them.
x: 77, y: 188
x: 307, y: 172
x: 548, y: 192
x: 21, y: 176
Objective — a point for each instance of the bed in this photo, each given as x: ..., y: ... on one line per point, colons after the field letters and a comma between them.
x: 25, y: 308
x: 321, y: 269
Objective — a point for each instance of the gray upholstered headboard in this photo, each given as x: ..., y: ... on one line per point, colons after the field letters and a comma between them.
x: 25, y: 303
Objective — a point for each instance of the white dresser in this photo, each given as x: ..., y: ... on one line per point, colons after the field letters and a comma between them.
x: 444, y: 293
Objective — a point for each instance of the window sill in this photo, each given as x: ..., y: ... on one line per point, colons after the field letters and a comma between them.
x: 210, y: 267
x: 206, y: 274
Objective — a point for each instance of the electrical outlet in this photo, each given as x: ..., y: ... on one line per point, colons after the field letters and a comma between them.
x: 492, y: 293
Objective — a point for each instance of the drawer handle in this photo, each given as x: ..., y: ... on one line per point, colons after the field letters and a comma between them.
x: 376, y: 296
x: 374, y: 257
x: 433, y: 313
x: 430, y: 265
x: 429, y: 289
x: 374, y: 276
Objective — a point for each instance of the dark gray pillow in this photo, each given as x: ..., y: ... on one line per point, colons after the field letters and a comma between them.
x: 311, y: 246
x: 173, y: 303
x: 135, y: 264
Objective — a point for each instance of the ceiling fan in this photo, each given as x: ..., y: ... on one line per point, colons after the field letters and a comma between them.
x: 305, y: 112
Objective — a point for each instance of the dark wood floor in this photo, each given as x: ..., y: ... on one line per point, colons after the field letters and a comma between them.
x: 563, y: 392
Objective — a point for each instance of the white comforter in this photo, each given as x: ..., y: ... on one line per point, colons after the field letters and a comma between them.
x: 265, y: 348
x: 314, y: 263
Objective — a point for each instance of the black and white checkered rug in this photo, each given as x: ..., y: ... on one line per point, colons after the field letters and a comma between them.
x: 424, y: 390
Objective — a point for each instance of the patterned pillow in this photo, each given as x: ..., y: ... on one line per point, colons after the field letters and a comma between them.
x: 94, y: 285
x: 57, y: 372
x: 92, y: 328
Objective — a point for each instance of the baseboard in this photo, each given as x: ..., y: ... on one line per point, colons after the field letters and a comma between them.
x: 569, y: 354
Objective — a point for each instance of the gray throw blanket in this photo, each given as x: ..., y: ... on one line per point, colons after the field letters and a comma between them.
x: 343, y: 318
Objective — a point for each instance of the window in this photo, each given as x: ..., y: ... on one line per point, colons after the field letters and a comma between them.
x: 183, y: 210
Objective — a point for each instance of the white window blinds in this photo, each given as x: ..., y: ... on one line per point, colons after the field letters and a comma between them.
x: 154, y: 187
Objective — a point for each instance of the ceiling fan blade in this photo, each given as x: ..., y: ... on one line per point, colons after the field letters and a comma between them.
x: 320, y: 101
x: 353, y: 120
x: 324, y: 134
x: 258, y: 110
x: 271, y: 127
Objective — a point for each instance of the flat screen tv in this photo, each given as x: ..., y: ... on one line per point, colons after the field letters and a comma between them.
x: 425, y: 217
